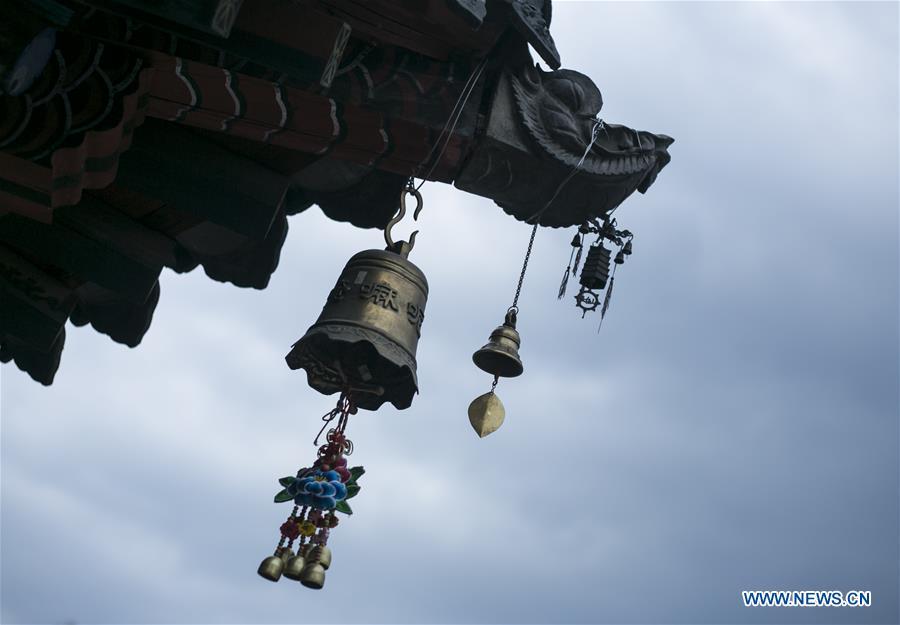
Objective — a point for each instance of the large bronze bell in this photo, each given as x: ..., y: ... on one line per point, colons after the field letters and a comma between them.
x: 500, y: 356
x: 365, y: 339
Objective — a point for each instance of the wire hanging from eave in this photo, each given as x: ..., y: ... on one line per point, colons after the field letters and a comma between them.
x: 450, y: 125
x: 598, y: 124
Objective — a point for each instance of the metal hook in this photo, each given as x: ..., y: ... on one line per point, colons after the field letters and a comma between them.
x: 400, y: 215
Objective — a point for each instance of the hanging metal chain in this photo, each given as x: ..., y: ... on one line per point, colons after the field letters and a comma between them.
x: 515, y: 304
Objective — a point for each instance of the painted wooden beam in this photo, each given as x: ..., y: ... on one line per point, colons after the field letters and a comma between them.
x: 124, y: 321
x: 97, y: 220
x: 34, y: 306
x: 41, y: 366
x: 197, y: 176
x: 209, y: 16
x: 80, y: 255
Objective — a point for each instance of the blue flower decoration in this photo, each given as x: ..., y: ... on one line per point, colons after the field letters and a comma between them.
x: 318, y: 489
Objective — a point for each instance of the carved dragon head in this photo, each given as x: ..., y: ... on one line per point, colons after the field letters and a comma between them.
x: 559, y: 109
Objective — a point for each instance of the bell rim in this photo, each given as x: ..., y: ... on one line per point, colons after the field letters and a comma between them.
x: 408, y: 383
x: 518, y: 368
x: 319, y: 328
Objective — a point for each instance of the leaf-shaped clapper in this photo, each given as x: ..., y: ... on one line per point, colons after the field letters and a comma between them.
x: 356, y: 473
x: 343, y: 506
x: 287, y: 481
x: 283, y: 496
x: 352, y: 490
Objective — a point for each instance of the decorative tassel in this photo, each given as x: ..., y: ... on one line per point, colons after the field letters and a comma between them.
x: 564, y: 283
x: 606, y: 299
x: 576, y: 243
x: 318, y: 492
x: 577, y: 259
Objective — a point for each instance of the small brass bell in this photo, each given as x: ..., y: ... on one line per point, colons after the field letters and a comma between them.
x: 486, y: 414
x: 313, y: 575
x: 627, y: 249
x: 284, y: 553
x: 324, y: 557
x: 271, y: 568
x: 294, y: 567
x: 500, y: 356
x: 620, y: 257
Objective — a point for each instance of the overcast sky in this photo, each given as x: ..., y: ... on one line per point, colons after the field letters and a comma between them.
x: 734, y: 425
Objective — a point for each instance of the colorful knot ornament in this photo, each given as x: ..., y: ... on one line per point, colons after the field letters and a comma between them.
x: 340, y: 467
x: 318, y: 489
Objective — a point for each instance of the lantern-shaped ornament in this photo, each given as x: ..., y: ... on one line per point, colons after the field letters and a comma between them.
x: 365, y: 339
x: 596, y: 267
x: 594, y: 276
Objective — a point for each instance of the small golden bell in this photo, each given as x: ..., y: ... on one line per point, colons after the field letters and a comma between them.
x: 500, y: 356
x: 271, y: 568
x: 284, y: 553
x: 294, y: 567
x: 324, y: 557
x: 313, y: 575
x: 486, y: 414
